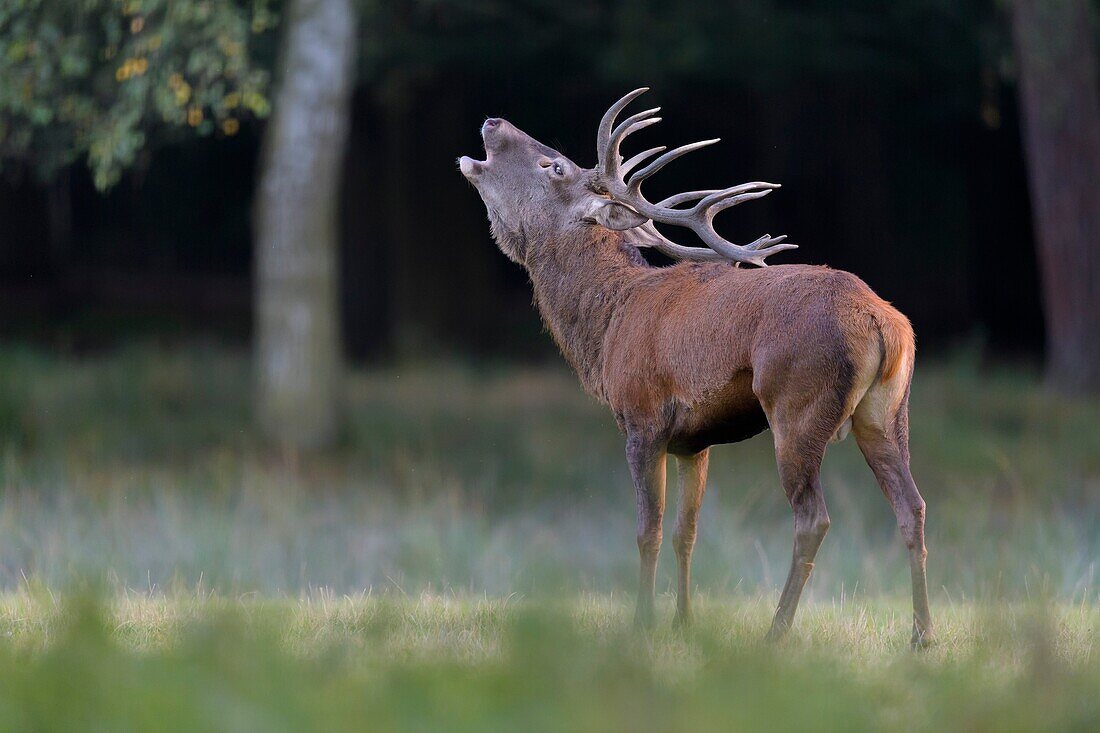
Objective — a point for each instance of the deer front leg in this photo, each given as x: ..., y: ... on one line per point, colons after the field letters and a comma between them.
x: 646, y: 457
x: 693, y: 482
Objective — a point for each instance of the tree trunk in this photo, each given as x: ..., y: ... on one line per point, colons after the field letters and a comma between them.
x: 298, y: 354
x: 1061, y: 120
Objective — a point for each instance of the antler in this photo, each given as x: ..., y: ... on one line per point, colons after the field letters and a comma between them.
x: 612, y: 172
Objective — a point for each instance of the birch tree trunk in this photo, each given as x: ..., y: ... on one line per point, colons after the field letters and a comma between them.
x: 298, y: 358
x: 1061, y: 114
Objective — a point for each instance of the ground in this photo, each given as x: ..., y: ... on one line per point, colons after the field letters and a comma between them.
x: 465, y: 561
x: 197, y: 662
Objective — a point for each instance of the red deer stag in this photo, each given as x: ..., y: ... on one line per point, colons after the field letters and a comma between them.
x: 704, y: 352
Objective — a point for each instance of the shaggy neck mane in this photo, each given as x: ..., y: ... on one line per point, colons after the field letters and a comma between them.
x: 580, y: 282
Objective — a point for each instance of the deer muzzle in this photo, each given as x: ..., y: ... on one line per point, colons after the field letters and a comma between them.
x: 493, y: 132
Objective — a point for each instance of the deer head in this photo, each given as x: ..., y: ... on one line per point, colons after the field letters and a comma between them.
x: 532, y: 191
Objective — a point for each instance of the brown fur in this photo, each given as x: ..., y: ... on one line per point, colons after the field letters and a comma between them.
x: 691, y: 343
x: 693, y: 355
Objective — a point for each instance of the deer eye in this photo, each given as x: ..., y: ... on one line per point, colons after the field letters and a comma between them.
x: 558, y: 170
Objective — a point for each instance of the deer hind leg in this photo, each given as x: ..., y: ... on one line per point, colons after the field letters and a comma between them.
x: 692, y: 472
x: 882, y: 432
x: 646, y: 457
x: 799, y: 461
x: 802, y: 424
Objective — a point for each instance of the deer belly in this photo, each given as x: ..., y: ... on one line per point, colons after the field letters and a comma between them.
x: 714, y: 423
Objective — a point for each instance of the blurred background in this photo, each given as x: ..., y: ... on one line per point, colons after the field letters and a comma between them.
x: 254, y: 329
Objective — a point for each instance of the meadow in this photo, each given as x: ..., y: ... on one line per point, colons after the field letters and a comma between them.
x: 465, y: 560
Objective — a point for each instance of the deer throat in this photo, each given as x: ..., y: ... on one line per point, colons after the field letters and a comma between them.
x: 578, y: 294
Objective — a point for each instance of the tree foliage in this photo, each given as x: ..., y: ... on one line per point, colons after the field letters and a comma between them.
x: 101, y: 79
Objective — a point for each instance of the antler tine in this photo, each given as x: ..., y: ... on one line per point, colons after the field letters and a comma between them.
x: 768, y: 239
x: 611, y: 158
x: 647, y: 236
x: 624, y: 127
x: 617, y: 138
x: 612, y: 177
x: 636, y: 179
x: 682, y: 198
x: 754, y: 253
x: 722, y: 194
x: 629, y: 165
x: 603, y: 136
x: 711, y: 211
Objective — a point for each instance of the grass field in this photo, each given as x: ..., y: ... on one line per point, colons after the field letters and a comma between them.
x: 445, y: 663
x: 465, y: 561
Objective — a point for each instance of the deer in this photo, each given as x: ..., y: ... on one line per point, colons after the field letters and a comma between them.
x: 703, y: 351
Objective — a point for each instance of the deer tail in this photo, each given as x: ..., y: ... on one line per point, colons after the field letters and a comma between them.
x: 898, y: 343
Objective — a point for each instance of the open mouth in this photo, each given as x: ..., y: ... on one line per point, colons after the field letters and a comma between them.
x: 471, y: 167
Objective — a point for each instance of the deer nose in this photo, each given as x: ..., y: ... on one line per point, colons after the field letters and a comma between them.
x: 495, y: 133
x: 491, y: 124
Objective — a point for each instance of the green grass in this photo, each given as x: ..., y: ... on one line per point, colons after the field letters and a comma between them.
x: 140, y: 468
x: 197, y: 662
x: 465, y: 560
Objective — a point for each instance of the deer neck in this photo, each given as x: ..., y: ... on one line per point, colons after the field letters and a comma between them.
x: 579, y: 287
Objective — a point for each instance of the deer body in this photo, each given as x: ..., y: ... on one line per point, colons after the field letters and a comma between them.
x: 702, y: 353
x: 684, y: 343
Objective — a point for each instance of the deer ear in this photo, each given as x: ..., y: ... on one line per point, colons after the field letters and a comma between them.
x: 613, y: 216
